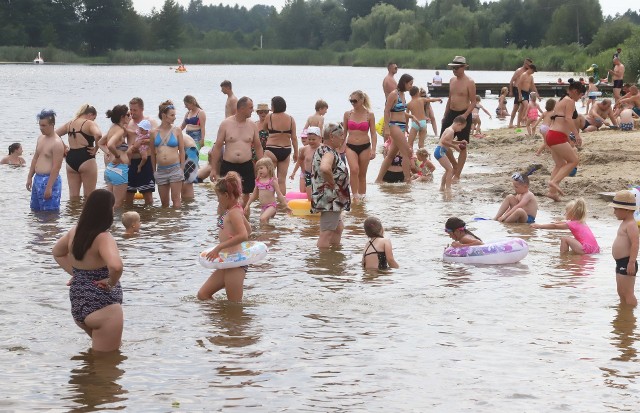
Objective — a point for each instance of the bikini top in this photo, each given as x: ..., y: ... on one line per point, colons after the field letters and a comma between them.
x: 266, y: 185
x: 89, y: 138
x: 195, y: 120
x: 273, y: 131
x: 397, y: 161
x: 361, y: 126
x: 220, y: 223
x: 400, y: 106
x: 574, y: 116
x: 382, y: 256
x: 171, y: 142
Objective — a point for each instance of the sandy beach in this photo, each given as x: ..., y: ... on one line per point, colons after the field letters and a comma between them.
x: 607, y: 164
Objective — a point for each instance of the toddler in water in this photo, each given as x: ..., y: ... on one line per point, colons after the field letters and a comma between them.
x: 142, y: 132
x: 521, y: 207
x: 501, y: 110
x: 266, y: 189
x: 234, y: 230
x: 583, y: 241
x: 378, y: 252
x: 131, y: 222
x: 533, y: 113
x: 625, y: 246
x: 461, y: 236
x: 545, y: 121
x: 447, y: 143
x: 475, y: 118
x: 421, y: 163
x: 305, y: 156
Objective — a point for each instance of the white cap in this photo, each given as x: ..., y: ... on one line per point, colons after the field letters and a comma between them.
x: 145, y: 124
x: 314, y: 130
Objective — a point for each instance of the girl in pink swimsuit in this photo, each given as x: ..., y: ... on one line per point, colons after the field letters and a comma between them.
x: 266, y: 189
x: 583, y: 241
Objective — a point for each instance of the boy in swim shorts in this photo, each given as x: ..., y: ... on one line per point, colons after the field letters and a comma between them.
x: 521, y: 207
x: 625, y: 246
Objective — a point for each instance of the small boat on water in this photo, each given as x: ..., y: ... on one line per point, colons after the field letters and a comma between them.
x: 38, y: 60
x: 181, y: 68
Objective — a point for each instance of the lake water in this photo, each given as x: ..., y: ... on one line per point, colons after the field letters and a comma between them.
x: 315, y: 332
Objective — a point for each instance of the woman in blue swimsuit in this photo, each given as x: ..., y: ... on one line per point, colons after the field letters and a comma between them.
x: 195, y: 121
x: 114, y: 144
x: 90, y: 254
x: 82, y: 169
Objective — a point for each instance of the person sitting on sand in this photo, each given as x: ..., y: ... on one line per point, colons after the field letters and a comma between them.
x: 15, y: 156
x: 596, y: 116
x: 521, y: 207
x: 626, y: 120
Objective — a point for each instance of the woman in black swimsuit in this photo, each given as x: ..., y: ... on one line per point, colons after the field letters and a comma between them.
x: 378, y: 252
x: 82, y: 169
x: 282, y: 139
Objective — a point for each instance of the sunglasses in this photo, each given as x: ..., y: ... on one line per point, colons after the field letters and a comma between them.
x: 353, y: 101
x: 262, y: 111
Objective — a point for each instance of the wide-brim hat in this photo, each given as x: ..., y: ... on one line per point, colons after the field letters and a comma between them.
x: 624, y: 200
x: 459, y: 61
x: 262, y: 106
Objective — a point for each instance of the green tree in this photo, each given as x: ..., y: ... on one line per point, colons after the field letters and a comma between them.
x: 574, y: 22
x: 103, y: 23
x: 373, y: 30
x: 612, y: 33
x: 167, y: 26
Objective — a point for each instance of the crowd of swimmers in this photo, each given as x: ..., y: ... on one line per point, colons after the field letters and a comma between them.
x: 250, y: 161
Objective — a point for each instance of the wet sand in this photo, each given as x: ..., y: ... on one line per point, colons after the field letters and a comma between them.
x: 608, y: 161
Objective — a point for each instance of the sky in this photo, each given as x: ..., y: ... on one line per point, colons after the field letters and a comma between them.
x: 145, y: 6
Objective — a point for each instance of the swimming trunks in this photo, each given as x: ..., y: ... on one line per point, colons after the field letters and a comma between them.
x: 143, y: 181
x: 636, y: 110
x: 622, y: 264
x: 422, y: 124
x: 382, y: 256
x: 617, y: 84
x: 626, y: 126
x: 358, y: 149
x: 246, y: 172
x: 586, y: 124
x: 171, y: 141
x: 516, y: 96
x: 169, y: 174
x: 531, y: 219
x: 401, y: 125
x: 191, y: 165
x: 76, y: 157
x: 86, y: 297
x: 307, y: 179
x: 555, y: 138
x: 439, y: 152
x: 39, y: 185
x: 393, y: 177
x: 592, y: 97
x: 280, y: 152
x: 117, y: 174
x: 447, y: 121
x: 525, y: 95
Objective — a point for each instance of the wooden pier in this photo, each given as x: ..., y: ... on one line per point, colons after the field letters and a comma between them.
x: 546, y: 90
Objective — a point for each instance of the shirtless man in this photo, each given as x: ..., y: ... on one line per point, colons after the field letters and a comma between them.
x: 617, y: 74
x: 237, y: 134
x: 437, y: 79
x: 525, y: 85
x: 513, y: 90
x: 232, y: 100
x: 389, y: 83
x: 143, y: 181
x: 462, y: 101
x: 596, y: 116
x: 46, y: 185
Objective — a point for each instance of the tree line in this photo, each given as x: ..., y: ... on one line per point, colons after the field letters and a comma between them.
x: 94, y: 27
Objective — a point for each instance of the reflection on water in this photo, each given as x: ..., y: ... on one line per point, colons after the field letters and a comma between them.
x: 624, y: 333
x: 94, y: 383
x: 570, y: 270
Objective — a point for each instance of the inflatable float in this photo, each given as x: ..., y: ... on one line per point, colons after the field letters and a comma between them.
x: 504, y: 251
x: 251, y: 252
x: 204, y: 151
x: 301, y: 207
x: 296, y: 195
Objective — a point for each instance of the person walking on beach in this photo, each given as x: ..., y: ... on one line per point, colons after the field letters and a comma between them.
x: 237, y: 134
x: 562, y: 124
x: 525, y: 86
x: 617, y: 74
x: 389, y: 83
x: 46, y: 185
x: 141, y: 181
x: 90, y: 255
x: 461, y: 102
x: 230, y: 107
x: 513, y: 90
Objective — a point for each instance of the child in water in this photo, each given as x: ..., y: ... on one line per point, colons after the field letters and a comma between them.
x: 501, y: 110
x: 625, y: 246
x: 378, y: 252
x: 461, y: 236
x: 234, y: 230
x: 131, y: 223
x: 475, y: 118
x: 142, y: 132
x: 267, y: 188
x: 15, y: 156
x: 583, y: 241
x: 447, y: 143
x: 422, y: 165
x: 545, y: 121
x: 305, y: 156
x: 521, y: 207
x: 533, y: 114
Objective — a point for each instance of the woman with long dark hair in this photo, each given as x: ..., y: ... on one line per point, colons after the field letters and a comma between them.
x: 90, y: 254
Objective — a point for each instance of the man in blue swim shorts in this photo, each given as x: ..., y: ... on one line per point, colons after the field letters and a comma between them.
x: 44, y: 180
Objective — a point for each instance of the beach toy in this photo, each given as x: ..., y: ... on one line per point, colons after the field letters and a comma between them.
x: 138, y: 195
x: 636, y: 215
x: 503, y: 251
x: 295, y: 195
x: 300, y: 207
x: 380, y: 126
x: 251, y: 252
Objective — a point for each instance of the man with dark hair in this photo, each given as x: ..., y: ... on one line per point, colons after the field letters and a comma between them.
x: 513, y: 90
x: 143, y: 181
x: 389, y: 83
x: 232, y: 100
